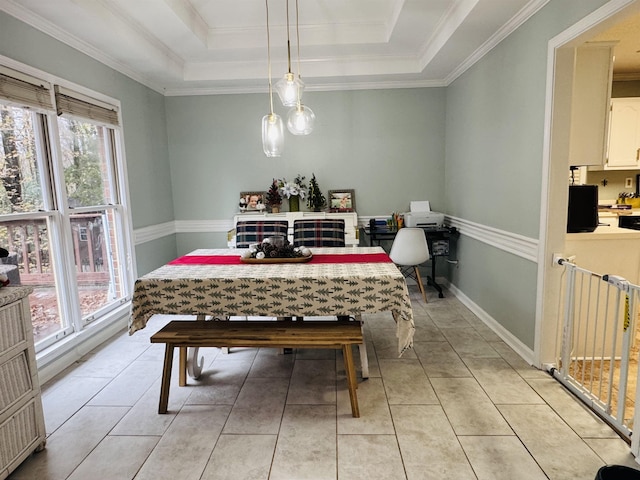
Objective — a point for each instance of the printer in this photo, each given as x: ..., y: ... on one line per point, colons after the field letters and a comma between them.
x: 420, y: 215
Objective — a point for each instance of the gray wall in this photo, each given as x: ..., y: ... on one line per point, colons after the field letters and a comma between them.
x: 493, y: 168
x: 387, y: 145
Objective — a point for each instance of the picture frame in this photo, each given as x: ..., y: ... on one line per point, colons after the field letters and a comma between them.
x: 252, y: 201
x: 342, y: 200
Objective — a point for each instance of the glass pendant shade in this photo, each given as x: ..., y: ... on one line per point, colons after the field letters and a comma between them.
x: 272, y: 135
x: 300, y: 120
x: 289, y: 89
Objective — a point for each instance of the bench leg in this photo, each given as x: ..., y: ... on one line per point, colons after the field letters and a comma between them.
x: 350, y: 370
x: 183, y: 367
x: 166, y: 379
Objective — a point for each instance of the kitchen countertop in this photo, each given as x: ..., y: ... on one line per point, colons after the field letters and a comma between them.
x: 606, y: 232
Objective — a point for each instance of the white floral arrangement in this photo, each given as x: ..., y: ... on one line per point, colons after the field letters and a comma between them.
x: 290, y: 189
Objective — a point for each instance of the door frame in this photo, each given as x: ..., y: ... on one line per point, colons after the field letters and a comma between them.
x: 555, y: 168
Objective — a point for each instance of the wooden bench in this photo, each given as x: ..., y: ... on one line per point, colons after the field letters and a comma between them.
x: 308, y: 334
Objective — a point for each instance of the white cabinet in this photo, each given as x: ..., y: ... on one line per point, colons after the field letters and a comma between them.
x: 590, y: 95
x: 350, y: 223
x: 624, y: 134
x: 22, y: 428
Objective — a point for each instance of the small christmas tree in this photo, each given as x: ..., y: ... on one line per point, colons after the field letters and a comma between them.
x: 315, y: 201
x: 274, y: 199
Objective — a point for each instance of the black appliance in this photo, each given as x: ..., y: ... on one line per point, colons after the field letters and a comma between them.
x: 629, y: 221
x: 583, y: 208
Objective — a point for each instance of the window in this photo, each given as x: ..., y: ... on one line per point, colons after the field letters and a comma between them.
x: 62, y: 213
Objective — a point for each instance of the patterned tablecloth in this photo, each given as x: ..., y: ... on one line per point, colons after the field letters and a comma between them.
x: 276, y: 290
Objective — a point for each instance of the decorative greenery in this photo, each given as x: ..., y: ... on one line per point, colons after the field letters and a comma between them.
x: 274, y: 199
x: 296, y: 188
x: 316, y: 200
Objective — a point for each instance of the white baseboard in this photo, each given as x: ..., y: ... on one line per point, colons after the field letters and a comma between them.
x: 520, y: 348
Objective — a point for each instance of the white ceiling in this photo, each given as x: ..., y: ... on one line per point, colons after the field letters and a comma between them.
x: 182, y: 47
x: 220, y: 46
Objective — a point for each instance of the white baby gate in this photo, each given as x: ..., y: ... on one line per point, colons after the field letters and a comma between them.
x: 598, y: 358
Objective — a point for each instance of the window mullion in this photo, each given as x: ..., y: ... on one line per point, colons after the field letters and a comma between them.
x: 66, y: 277
x: 44, y: 137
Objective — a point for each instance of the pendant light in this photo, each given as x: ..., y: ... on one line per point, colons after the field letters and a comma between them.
x: 289, y: 87
x: 301, y: 118
x: 272, y: 128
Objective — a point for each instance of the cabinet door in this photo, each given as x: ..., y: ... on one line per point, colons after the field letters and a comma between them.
x: 591, y: 93
x: 624, y: 138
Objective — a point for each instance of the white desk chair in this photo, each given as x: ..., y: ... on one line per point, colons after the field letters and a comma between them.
x: 408, y: 251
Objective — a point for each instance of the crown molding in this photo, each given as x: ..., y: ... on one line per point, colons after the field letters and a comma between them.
x: 57, y: 33
x: 446, y: 27
x: 507, y: 29
x: 333, y: 87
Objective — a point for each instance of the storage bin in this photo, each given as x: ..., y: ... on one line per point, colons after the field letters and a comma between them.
x: 617, y: 472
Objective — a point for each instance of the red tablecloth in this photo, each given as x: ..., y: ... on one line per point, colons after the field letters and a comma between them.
x: 317, y: 258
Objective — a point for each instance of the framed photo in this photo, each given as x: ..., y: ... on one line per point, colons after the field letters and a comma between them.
x: 342, y: 200
x: 252, y: 201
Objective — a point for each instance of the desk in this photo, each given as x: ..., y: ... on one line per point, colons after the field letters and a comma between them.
x: 437, y: 238
x: 277, y: 290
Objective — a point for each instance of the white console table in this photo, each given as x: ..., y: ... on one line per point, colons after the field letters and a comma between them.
x: 351, y: 237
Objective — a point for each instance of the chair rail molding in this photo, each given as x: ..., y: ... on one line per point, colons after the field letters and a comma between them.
x: 203, y: 226
x: 155, y: 232
x: 514, y: 243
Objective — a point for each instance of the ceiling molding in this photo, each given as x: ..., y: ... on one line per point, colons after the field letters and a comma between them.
x: 168, y: 58
x: 191, y: 18
x: 187, y: 49
x: 332, y: 87
x: 61, y: 35
x: 507, y: 29
x: 446, y: 27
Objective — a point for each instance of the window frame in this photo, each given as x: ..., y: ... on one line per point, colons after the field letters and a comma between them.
x: 58, y: 214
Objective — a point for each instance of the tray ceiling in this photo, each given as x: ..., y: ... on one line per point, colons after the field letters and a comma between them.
x: 182, y: 47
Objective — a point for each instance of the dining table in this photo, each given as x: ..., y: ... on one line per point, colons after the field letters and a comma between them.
x: 219, y: 283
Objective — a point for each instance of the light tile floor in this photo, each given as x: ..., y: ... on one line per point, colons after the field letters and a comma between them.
x: 460, y: 405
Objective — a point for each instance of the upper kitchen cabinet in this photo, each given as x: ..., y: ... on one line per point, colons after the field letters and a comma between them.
x: 590, y: 96
x: 624, y: 134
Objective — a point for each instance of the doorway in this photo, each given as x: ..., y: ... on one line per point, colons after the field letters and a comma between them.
x: 554, y: 199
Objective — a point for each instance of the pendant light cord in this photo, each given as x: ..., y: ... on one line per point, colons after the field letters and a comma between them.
x: 288, y: 41
x: 298, y: 40
x: 269, y: 59
x: 299, y: 102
